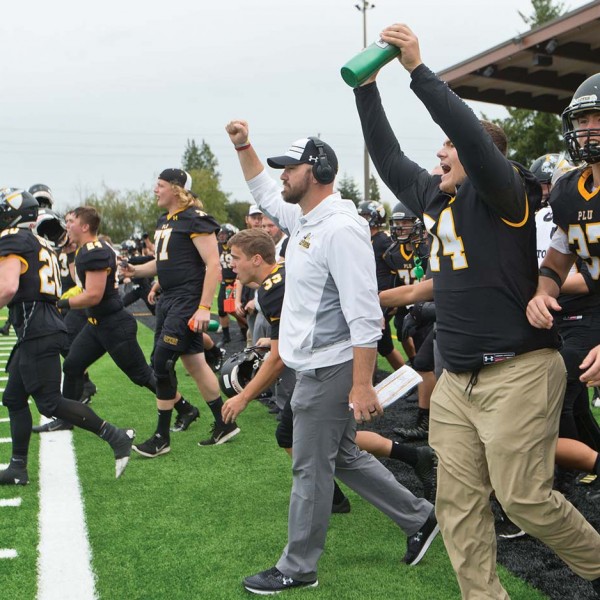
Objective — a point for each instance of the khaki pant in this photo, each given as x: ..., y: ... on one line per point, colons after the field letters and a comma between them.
x: 500, y: 434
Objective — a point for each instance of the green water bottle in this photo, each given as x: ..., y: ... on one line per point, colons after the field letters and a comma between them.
x: 360, y: 67
x: 213, y: 325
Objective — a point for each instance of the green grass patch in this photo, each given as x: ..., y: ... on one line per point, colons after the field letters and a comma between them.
x: 191, y: 524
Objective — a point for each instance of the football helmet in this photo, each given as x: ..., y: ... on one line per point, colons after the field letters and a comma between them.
x: 403, y: 223
x: 43, y: 194
x: 51, y: 226
x: 563, y: 166
x: 226, y: 232
x: 543, y: 167
x: 373, y: 212
x: 18, y: 208
x: 239, y: 369
x: 580, y: 145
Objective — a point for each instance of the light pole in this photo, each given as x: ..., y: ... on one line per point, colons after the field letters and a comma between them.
x: 363, y: 7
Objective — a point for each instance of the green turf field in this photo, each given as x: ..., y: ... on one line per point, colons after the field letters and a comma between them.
x: 193, y: 523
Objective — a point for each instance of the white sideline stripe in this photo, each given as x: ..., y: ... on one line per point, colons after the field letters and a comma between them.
x: 5, y: 440
x: 64, y: 554
x: 4, y: 420
x: 3, y: 378
x: 8, y: 553
x: 3, y: 466
x: 6, y: 502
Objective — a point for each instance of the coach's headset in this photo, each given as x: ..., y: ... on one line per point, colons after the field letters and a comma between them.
x: 322, y: 170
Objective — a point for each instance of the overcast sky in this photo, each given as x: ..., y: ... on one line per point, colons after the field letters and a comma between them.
x: 107, y: 93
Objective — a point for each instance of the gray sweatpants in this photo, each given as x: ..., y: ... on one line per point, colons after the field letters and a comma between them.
x: 324, y: 434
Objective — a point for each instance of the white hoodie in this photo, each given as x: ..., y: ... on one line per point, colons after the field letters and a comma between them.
x: 331, y: 303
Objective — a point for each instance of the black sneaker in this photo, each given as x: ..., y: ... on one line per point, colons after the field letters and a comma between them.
x: 184, y: 420
x: 54, y: 425
x: 155, y: 446
x: 342, y: 507
x: 426, y: 471
x: 507, y: 530
x: 273, y: 581
x: 412, y: 434
x: 418, y: 543
x: 14, y: 476
x: 219, y: 434
x: 122, y: 449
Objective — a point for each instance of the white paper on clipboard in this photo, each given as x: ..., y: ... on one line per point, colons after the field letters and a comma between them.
x: 400, y: 382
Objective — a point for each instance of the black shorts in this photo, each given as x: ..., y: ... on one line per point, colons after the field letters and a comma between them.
x: 424, y: 360
x: 34, y: 370
x: 172, y: 331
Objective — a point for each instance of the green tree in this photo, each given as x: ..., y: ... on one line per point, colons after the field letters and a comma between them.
x: 200, y: 158
x: 236, y: 213
x: 374, y: 194
x: 543, y: 11
x: 349, y: 189
x: 206, y: 186
x: 124, y: 213
x: 532, y: 133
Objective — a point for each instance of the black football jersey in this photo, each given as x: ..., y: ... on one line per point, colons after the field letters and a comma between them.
x: 66, y: 260
x: 32, y: 310
x: 99, y: 256
x: 179, y: 266
x: 270, y: 298
x: 576, y: 210
x: 385, y: 276
x: 225, y: 259
x: 401, y: 260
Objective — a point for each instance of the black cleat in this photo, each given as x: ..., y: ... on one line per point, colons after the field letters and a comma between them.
x: 219, y: 434
x: 426, y: 471
x: 418, y: 543
x: 507, y: 530
x: 273, y: 581
x: 14, y: 475
x: 54, y: 425
x: 89, y: 390
x: 184, y: 420
x: 153, y: 447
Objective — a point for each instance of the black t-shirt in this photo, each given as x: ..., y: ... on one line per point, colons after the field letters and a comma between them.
x: 99, y: 256
x: 179, y: 266
x: 483, y: 253
x: 270, y: 298
x: 66, y: 260
x: 576, y: 211
x: 32, y: 310
x: 401, y: 260
x: 228, y: 274
x: 385, y: 276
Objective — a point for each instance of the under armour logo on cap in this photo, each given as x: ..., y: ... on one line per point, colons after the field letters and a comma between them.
x: 303, y: 151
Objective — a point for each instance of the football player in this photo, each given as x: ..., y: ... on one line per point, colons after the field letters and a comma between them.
x: 188, y: 269
x: 30, y: 285
x: 480, y: 212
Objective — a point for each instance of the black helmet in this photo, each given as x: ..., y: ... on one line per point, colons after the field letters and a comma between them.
x: 18, y: 208
x: 51, y: 226
x: 373, y: 212
x: 401, y: 232
x: 43, y: 194
x: 579, y: 144
x: 226, y: 232
x: 543, y: 167
x: 239, y: 369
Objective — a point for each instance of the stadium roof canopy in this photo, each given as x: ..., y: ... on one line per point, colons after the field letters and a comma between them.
x: 537, y: 70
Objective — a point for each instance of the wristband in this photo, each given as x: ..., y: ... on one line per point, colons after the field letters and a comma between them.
x: 63, y: 303
x: 202, y: 307
x: 242, y: 147
x: 551, y: 274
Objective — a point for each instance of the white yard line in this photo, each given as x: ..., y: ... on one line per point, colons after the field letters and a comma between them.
x: 5, y: 440
x: 8, y: 553
x: 64, y: 554
x: 3, y: 466
x: 4, y: 420
x: 8, y: 502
